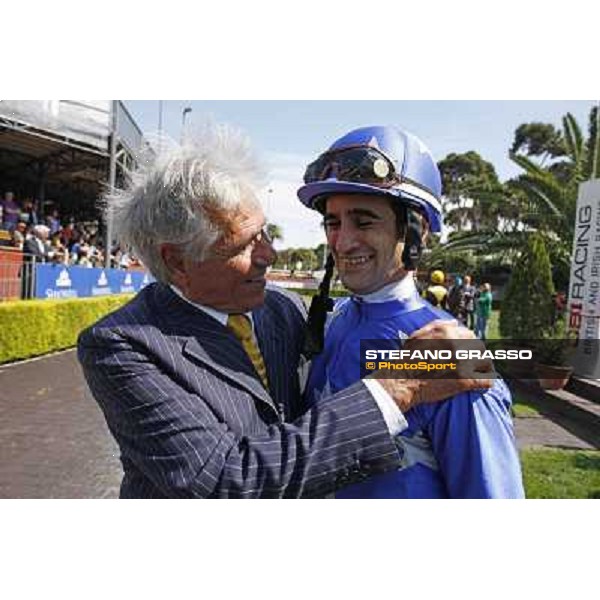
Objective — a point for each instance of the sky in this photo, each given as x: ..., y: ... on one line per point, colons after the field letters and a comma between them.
x: 290, y: 134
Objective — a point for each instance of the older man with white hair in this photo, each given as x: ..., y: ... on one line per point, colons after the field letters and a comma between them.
x: 36, y: 250
x: 36, y: 245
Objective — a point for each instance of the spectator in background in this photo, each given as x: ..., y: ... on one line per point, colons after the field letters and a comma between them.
x: 66, y: 233
x: 84, y: 257
x: 560, y: 305
x: 437, y: 294
x: 98, y: 258
x: 53, y: 222
x: 93, y: 248
x: 30, y: 212
x: 483, y: 310
x: 36, y: 249
x: 60, y: 252
x: 456, y: 299
x: 125, y: 260
x: 74, y: 249
x: 470, y: 294
x: 11, y: 212
x: 93, y: 230
x: 19, y: 235
x: 115, y: 257
x: 37, y: 246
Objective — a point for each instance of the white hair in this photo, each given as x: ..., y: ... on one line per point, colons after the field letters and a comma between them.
x: 41, y: 230
x: 180, y: 195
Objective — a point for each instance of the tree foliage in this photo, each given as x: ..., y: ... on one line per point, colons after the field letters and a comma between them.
x: 592, y: 167
x: 538, y: 139
x: 471, y: 188
x: 321, y: 254
x: 437, y: 256
x: 290, y: 257
x: 275, y: 232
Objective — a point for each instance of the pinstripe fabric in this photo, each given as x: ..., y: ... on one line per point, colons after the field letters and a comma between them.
x: 191, y: 418
x: 242, y: 329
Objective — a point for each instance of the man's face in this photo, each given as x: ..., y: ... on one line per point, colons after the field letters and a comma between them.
x: 232, y: 278
x: 362, y: 235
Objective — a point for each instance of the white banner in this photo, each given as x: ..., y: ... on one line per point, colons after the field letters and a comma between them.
x: 584, y: 284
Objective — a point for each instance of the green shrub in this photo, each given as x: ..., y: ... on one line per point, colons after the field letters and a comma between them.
x: 34, y: 327
x: 527, y: 309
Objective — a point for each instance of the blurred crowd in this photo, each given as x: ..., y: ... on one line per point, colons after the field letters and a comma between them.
x: 57, y: 238
x: 471, y: 304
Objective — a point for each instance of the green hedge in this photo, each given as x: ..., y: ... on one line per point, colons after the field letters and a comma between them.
x: 34, y: 327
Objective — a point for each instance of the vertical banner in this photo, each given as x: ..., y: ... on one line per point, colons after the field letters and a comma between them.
x: 584, y: 284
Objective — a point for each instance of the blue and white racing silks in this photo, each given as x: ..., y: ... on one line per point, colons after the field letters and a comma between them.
x: 463, y: 447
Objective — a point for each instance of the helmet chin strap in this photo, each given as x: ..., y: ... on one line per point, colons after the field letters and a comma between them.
x: 320, y: 305
x: 413, y: 246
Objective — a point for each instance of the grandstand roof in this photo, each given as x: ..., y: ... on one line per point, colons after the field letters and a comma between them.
x: 63, y: 143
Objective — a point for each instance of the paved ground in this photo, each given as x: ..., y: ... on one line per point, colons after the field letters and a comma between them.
x: 54, y: 442
x: 540, y: 431
x: 564, y: 420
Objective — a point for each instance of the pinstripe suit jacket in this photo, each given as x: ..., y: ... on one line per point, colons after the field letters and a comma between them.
x: 192, y: 419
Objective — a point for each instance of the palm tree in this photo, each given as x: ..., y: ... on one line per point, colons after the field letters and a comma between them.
x: 543, y: 199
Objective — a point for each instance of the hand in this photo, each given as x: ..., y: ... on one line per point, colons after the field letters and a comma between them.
x: 443, y: 330
x: 408, y: 393
x: 451, y: 335
x: 413, y: 390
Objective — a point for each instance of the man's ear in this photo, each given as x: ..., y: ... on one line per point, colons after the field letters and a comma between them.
x: 172, y: 256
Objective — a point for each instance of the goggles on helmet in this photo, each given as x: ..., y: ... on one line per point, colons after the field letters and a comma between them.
x: 356, y: 164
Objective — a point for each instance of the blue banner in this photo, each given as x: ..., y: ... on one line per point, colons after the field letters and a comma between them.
x: 60, y: 281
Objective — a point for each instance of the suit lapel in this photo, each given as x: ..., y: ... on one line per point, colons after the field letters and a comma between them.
x: 230, y: 361
x: 271, y: 341
x: 206, y: 341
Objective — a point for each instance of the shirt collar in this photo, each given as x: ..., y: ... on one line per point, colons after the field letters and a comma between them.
x: 220, y: 316
x: 397, y: 290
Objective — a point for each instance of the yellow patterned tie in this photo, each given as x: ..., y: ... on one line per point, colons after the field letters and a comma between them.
x: 242, y: 328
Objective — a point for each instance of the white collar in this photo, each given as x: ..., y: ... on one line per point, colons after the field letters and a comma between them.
x: 397, y: 290
x: 209, y: 310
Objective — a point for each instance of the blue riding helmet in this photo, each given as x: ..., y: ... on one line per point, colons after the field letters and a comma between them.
x: 382, y: 160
